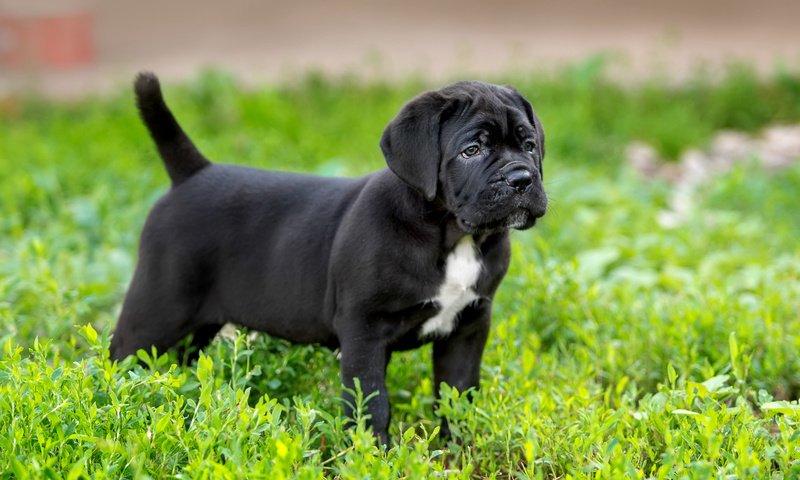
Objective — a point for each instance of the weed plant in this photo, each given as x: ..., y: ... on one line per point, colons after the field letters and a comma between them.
x: 619, y: 349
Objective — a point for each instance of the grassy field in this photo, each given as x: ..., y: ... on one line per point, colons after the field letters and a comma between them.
x: 619, y: 348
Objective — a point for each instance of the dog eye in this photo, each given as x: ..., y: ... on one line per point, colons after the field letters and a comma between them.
x: 471, y: 151
x: 529, y: 146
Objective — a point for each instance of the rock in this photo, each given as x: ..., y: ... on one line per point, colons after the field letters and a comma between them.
x: 643, y: 159
x: 777, y: 148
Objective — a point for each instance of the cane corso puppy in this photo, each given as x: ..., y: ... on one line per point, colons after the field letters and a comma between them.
x: 404, y: 256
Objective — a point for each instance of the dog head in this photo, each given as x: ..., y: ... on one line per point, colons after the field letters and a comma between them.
x: 477, y: 149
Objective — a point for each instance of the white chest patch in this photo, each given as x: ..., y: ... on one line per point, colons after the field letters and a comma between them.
x: 462, y: 269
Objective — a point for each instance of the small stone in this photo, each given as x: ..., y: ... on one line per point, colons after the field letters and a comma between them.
x: 780, y: 147
x: 643, y: 159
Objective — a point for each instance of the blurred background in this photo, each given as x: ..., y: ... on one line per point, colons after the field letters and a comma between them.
x: 72, y: 47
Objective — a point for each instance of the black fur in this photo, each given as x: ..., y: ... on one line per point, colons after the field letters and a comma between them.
x: 180, y: 156
x: 350, y: 263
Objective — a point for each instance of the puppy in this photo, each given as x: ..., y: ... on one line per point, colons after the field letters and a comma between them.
x: 404, y: 256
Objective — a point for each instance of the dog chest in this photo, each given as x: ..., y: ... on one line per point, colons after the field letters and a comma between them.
x: 462, y: 269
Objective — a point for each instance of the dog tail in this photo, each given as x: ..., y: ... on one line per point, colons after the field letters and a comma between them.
x: 179, y: 154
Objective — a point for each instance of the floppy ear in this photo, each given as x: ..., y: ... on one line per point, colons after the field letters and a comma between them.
x: 537, y: 125
x: 410, y: 143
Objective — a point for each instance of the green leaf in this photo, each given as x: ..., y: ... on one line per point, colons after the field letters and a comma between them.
x: 784, y: 407
x: 89, y: 333
x: 734, y: 347
x: 19, y: 469
x: 205, y: 369
x: 680, y: 411
x: 76, y: 471
x: 672, y: 375
x: 714, y: 384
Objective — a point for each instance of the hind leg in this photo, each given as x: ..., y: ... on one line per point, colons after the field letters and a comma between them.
x: 201, y: 337
x: 154, y: 314
x: 158, y: 326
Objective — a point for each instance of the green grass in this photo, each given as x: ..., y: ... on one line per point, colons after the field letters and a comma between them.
x: 619, y: 349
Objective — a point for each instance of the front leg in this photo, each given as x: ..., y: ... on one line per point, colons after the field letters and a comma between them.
x: 366, y: 360
x: 457, y: 358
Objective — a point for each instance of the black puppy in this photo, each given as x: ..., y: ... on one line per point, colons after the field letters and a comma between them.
x: 401, y: 257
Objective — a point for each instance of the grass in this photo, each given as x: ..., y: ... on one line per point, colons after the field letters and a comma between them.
x: 619, y: 349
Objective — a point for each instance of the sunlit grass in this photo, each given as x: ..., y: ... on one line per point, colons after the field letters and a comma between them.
x: 619, y: 348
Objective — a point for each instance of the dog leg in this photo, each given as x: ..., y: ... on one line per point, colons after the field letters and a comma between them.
x: 132, y: 334
x: 151, y: 317
x: 457, y: 358
x: 367, y: 362
x: 200, y: 339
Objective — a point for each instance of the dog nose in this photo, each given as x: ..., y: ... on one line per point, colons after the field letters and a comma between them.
x: 519, y: 179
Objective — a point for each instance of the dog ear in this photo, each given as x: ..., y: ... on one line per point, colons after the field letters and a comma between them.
x: 410, y: 143
x: 534, y: 119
